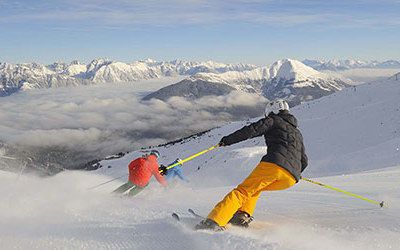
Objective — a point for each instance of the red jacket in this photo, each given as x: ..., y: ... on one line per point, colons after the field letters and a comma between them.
x: 141, y: 170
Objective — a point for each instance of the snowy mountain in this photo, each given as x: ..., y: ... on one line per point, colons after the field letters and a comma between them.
x: 338, y: 65
x: 296, y: 82
x: 31, y: 76
x: 15, y: 77
x: 289, y: 79
x: 191, y: 89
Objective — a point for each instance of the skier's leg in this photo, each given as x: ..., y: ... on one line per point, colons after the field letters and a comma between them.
x: 283, y: 180
x: 250, y: 204
x: 135, y: 190
x: 253, y: 184
x: 123, y: 188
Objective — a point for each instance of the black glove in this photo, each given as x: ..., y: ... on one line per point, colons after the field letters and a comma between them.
x: 163, y: 170
x: 223, y: 142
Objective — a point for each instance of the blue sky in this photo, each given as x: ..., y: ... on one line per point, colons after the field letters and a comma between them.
x: 252, y: 31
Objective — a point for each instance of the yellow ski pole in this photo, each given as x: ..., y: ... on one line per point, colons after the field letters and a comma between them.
x: 381, y: 204
x: 192, y: 157
x: 169, y: 167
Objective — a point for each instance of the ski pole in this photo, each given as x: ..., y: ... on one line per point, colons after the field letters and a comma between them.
x: 7, y: 157
x: 381, y: 204
x: 101, y: 184
x: 169, y: 167
x: 192, y: 157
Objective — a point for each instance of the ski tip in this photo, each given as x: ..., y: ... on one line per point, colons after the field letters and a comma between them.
x: 175, y: 216
x: 382, y: 204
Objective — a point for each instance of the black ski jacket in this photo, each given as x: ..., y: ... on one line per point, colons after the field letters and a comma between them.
x: 283, y: 138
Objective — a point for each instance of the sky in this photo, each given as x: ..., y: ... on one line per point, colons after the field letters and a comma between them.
x: 248, y: 31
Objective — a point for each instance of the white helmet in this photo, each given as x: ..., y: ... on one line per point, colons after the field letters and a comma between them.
x: 155, y: 153
x: 276, y: 106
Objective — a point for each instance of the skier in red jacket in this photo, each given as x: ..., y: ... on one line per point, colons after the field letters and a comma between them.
x: 140, y: 172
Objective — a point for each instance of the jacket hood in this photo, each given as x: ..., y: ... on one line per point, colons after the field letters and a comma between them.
x: 285, y: 115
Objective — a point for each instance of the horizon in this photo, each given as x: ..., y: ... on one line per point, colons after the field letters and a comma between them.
x: 209, y: 60
x: 257, y: 32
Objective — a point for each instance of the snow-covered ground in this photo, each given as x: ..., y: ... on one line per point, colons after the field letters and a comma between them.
x: 363, y: 75
x: 352, y: 138
x: 60, y: 213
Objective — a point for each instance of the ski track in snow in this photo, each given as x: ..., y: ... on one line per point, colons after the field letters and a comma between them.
x: 304, y: 217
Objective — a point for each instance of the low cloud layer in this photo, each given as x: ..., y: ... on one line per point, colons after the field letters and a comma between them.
x: 84, y: 123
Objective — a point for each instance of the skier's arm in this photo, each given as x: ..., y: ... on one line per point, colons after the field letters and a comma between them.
x: 158, y: 176
x: 253, y: 130
x: 181, y: 176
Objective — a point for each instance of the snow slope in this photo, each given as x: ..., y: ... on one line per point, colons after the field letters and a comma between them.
x: 351, y: 136
x: 46, y: 217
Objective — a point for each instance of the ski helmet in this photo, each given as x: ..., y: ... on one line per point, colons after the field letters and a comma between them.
x: 155, y: 153
x: 276, y: 106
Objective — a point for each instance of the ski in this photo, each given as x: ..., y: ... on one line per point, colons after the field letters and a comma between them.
x: 192, y: 212
x: 186, y: 220
x: 176, y: 216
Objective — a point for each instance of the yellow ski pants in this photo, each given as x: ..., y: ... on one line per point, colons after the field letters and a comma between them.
x: 265, y: 177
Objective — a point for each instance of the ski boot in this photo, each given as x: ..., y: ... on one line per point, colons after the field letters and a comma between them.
x: 208, y: 224
x: 241, y: 219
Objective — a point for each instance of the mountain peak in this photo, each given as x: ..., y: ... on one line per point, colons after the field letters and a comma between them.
x: 148, y: 61
x: 290, y: 69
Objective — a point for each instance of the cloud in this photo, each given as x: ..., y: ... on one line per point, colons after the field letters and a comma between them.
x: 121, y: 13
x: 86, y: 122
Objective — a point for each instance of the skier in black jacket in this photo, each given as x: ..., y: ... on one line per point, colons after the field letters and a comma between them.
x: 279, y: 169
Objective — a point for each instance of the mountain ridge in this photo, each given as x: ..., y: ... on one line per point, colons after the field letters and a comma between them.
x: 340, y: 65
x: 25, y: 76
x: 286, y: 78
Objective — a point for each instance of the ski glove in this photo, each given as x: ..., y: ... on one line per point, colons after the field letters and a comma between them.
x: 223, y: 142
x: 163, y: 170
